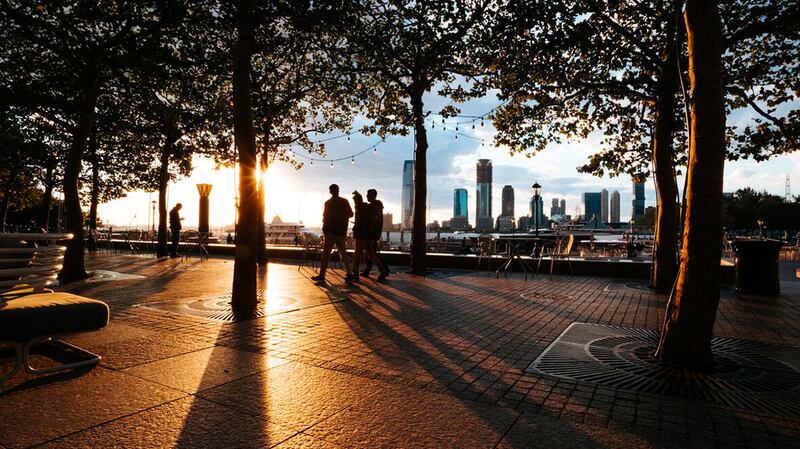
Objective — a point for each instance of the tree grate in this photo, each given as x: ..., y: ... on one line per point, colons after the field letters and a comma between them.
x: 218, y: 307
x: 748, y: 375
x: 546, y: 297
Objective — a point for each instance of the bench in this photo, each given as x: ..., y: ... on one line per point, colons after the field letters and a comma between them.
x: 30, y: 313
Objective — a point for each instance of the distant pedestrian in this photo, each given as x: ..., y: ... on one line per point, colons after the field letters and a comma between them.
x: 376, y: 226
x: 229, y: 239
x: 334, y: 227
x: 175, y: 228
x: 364, y: 234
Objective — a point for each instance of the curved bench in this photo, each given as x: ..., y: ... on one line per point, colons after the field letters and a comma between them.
x: 30, y: 313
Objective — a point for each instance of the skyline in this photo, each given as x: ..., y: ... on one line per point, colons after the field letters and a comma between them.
x: 451, y: 165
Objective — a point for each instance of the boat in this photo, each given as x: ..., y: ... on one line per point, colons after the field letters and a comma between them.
x: 279, y: 232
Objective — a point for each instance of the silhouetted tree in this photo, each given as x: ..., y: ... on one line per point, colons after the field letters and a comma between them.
x: 404, y: 49
x: 65, y: 55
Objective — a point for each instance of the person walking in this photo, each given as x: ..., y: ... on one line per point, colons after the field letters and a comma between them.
x: 363, y: 233
x: 335, y: 217
x: 175, y: 228
x: 376, y: 227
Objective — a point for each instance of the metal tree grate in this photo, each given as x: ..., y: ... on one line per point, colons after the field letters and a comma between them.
x: 748, y: 375
x: 218, y: 307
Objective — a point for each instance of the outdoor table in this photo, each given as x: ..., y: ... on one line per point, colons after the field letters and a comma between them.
x: 512, y: 244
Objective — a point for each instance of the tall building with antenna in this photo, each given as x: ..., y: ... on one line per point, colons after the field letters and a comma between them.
x: 483, y: 199
x: 407, y: 199
x: 788, y: 189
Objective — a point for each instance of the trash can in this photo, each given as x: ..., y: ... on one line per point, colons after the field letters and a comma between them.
x: 757, y: 266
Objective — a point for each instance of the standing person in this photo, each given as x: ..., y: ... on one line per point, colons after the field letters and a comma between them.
x: 364, y: 234
x: 376, y: 227
x: 334, y: 227
x: 175, y: 228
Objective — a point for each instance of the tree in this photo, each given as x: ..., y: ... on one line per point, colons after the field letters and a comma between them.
x: 64, y: 56
x: 614, y: 68
x: 243, y: 296
x: 598, y: 67
x: 403, y: 49
x: 692, y: 309
x: 178, y: 101
x: 299, y: 89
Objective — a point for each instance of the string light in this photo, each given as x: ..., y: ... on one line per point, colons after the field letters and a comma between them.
x: 353, y: 160
x: 374, y: 150
x: 331, y: 164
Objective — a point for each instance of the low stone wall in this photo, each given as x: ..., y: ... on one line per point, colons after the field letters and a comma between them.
x: 582, y: 267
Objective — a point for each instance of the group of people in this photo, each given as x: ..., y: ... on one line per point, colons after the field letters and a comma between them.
x: 367, y: 227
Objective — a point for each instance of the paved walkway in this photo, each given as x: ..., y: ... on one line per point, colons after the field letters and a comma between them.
x: 413, y: 363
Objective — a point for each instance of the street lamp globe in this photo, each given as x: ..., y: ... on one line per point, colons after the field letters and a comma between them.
x: 536, y: 189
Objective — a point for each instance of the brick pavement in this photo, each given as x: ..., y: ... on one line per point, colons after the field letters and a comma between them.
x: 436, y: 362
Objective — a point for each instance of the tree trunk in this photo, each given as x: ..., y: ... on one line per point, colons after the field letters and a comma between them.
x: 243, y: 298
x: 95, y: 194
x: 163, y: 182
x: 74, y: 268
x: 4, y: 204
x: 692, y: 309
x: 47, y: 198
x: 419, y: 265
x: 665, y: 244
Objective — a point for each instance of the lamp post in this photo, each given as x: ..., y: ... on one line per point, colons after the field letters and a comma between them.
x: 153, y: 216
x: 536, y: 189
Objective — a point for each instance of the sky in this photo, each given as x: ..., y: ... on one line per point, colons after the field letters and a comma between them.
x: 298, y: 195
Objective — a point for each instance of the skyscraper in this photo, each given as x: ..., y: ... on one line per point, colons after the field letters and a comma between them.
x: 508, y: 201
x: 604, y: 206
x: 483, y: 200
x: 591, y: 208
x: 460, y: 219
x: 614, y: 207
x: 554, y: 208
x: 407, y: 200
x: 505, y: 222
x: 563, y: 207
x: 638, y: 200
x: 532, y: 209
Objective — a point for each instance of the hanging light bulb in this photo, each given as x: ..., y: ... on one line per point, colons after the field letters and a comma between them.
x: 442, y: 121
x: 481, y: 122
x: 331, y: 164
x: 348, y: 137
x: 374, y: 149
x: 312, y: 162
x: 456, y: 128
x: 473, y: 125
x: 482, y: 142
x: 433, y: 125
x: 353, y: 160
x: 456, y: 136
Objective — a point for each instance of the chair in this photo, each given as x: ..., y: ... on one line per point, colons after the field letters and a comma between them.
x: 32, y: 314
x: 486, y: 249
x: 557, y: 251
x: 312, y: 251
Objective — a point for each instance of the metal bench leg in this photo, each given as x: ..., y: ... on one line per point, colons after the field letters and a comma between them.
x: 91, y: 358
x: 17, y: 362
